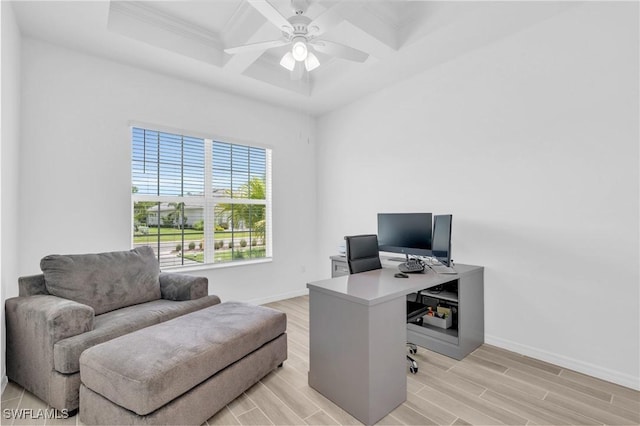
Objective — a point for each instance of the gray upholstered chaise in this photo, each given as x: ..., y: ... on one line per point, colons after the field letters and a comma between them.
x: 83, y: 300
x: 181, y: 371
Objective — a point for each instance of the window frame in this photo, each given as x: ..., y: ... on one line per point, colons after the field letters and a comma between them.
x: 208, y: 201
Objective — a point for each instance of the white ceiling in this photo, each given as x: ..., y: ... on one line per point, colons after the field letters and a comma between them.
x: 186, y: 39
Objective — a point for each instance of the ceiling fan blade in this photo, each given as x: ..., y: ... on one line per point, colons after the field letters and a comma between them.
x: 327, y: 20
x: 298, y: 71
x: 271, y: 13
x: 339, y: 50
x: 263, y: 45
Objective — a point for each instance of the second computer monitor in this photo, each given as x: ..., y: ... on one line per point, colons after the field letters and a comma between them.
x: 441, y: 244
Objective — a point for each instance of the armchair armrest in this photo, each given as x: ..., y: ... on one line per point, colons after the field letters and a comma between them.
x: 34, y: 324
x: 180, y: 287
x: 53, y: 317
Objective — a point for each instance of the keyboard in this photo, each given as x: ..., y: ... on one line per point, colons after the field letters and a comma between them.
x: 411, y: 266
x: 441, y: 269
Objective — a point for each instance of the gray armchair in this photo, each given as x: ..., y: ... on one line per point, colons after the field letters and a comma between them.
x: 82, y: 300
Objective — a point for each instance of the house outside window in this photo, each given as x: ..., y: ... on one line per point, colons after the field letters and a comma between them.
x: 199, y: 201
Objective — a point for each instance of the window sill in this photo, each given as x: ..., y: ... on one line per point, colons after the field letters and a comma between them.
x: 208, y: 266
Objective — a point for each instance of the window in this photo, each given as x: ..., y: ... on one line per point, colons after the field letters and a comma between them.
x: 200, y: 201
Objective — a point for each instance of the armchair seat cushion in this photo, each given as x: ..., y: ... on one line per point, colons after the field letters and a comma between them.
x: 104, y: 281
x: 66, y: 352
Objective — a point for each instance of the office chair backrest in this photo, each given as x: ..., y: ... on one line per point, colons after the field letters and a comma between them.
x: 362, y: 253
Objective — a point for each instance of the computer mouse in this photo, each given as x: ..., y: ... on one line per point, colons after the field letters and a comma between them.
x: 401, y: 275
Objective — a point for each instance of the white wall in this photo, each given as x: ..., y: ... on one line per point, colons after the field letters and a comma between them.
x: 532, y: 144
x: 10, y: 89
x: 75, y: 172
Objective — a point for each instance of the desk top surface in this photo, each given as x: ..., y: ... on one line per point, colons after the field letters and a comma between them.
x: 380, y: 285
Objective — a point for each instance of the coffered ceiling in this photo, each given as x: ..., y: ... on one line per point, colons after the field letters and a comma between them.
x: 186, y: 39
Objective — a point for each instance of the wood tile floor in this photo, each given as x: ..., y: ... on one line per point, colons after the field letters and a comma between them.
x: 489, y: 387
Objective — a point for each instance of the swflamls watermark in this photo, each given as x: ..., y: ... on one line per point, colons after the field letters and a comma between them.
x: 30, y: 413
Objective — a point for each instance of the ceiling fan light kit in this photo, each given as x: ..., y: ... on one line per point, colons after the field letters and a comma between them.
x: 288, y: 61
x: 311, y: 62
x: 299, y: 49
x: 301, y: 32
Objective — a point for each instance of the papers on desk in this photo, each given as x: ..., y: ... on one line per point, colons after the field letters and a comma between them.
x: 441, y: 269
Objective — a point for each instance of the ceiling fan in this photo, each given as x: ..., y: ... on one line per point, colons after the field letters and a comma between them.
x: 301, y: 33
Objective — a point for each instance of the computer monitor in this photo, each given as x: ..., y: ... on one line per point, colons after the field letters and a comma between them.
x: 441, y: 244
x: 407, y: 233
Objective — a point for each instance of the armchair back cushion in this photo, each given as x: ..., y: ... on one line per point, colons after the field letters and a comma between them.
x: 104, y: 281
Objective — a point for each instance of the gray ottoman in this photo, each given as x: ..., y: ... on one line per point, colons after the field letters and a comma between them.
x: 184, y: 370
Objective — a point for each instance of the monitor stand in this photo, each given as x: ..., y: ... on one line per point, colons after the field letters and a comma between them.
x: 399, y: 259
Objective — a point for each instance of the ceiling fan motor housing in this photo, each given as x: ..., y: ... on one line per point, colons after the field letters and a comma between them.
x: 299, y: 24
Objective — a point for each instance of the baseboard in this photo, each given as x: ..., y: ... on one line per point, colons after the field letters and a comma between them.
x: 5, y: 381
x: 617, y: 377
x: 279, y: 297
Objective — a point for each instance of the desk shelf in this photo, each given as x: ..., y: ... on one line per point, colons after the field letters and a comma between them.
x: 468, y: 332
x: 448, y: 296
x: 449, y: 335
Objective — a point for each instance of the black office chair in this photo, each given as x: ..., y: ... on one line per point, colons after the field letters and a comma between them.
x: 362, y: 256
x: 362, y: 253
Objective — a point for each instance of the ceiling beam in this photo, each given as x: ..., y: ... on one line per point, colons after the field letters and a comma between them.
x: 369, y: 20
x: 141, y: 21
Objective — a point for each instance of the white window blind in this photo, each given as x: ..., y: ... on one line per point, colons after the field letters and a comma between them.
x: 200, y: 201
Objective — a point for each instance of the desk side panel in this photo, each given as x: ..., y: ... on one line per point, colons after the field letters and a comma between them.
x: 357, y: 354
x: 471, y: 311
x: 338, y: 355
x: 387, y: 362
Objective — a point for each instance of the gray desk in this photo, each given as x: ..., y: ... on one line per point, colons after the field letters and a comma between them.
x: 357, y: 336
